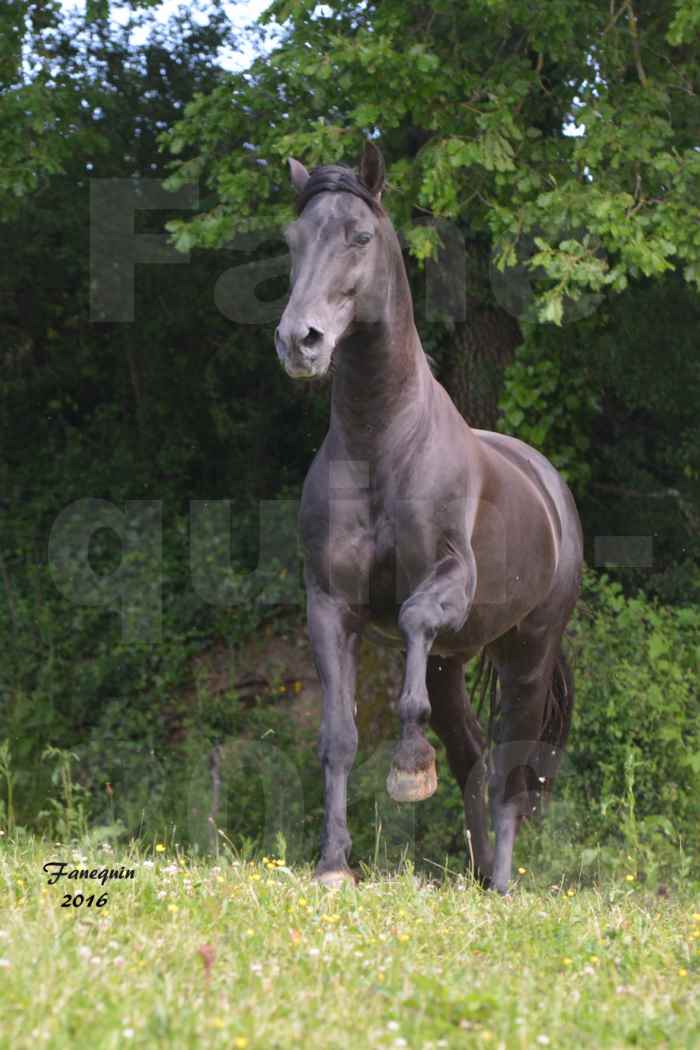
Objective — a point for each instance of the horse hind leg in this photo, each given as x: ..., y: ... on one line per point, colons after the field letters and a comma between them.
x: 525, y: 660
x: 455, y: 723
x: 535, y: 781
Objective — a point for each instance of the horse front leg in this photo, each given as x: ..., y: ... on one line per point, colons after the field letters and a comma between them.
x: 441, y: 602
x: 334, y: 639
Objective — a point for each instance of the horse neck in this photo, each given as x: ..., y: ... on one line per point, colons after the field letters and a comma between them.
x: 380, y: 370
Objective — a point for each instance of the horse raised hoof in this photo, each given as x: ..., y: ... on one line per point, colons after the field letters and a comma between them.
x: 411, y: 787
x: 334, y: 878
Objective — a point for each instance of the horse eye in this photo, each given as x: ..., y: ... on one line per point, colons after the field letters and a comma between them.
x: 362, y: 238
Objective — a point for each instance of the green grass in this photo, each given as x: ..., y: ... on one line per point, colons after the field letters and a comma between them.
x: 235, y: 954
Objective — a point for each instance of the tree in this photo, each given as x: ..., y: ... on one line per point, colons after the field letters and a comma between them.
x: 473, y: 115
x: 560, y: 136
x: 40, y: 99
x: 183, y: 400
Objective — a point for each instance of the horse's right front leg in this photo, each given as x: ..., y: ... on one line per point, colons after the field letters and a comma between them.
x: 334, y: 640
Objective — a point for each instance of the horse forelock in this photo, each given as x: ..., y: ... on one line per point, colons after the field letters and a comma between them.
x: 336, y: 178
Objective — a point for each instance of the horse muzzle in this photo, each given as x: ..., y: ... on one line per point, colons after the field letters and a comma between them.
x: 302, y: 355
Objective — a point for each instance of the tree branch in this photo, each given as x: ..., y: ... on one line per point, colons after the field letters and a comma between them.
x: 634, y: 31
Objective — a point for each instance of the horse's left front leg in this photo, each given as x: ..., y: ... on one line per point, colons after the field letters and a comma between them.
x: 441, y: 602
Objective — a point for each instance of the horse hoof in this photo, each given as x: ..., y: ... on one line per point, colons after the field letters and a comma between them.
x: 411, y: 787
x: 335, y: 879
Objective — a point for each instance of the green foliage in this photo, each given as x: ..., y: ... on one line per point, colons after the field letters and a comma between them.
x: 7, y: 809
x: 634, y: 756
x: 612, y: 401
x: 686, y: 23
x: 103, y: 710
x: 495, y: 148
x: 144, y: 734
x: 66, y: 818
x: 550, y: 406
x: 184, y: 404
x: 175, y: 407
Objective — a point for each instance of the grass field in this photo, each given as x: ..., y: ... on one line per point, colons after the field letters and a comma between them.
x: 238, y: 955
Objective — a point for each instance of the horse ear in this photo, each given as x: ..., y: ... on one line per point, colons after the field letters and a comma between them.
x: 372, y: 169
x: 298, y: 173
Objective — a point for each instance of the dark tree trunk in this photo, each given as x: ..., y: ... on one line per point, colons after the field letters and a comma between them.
x: 475, y: 356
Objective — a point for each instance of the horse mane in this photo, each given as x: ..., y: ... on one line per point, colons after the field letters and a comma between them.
x: 336, y: 178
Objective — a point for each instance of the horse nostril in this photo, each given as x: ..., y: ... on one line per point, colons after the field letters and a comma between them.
x: 312, y: 338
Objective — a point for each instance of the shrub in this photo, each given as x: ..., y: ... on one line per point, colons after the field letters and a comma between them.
x: 634, y: 753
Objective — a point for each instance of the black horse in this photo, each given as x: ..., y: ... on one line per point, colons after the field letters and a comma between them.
x: 420, y: 532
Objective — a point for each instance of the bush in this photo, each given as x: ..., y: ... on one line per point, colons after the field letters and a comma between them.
x: 139, y: 721
x: 634, y: 752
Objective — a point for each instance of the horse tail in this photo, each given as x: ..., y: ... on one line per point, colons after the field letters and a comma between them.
x: 486, y: 684
x: 557, y: 720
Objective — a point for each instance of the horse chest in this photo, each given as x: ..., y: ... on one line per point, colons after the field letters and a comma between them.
x: 372, y: 555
